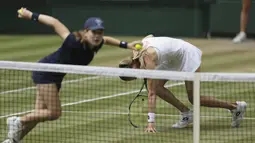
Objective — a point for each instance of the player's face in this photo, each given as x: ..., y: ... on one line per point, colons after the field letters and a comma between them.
x: 94, y: 37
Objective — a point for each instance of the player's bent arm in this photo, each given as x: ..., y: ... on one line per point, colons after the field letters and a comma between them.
x: 151, y: 100
x: 59, y: 28
x: 150, y: 59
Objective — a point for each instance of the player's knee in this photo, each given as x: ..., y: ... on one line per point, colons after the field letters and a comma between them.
x: 152, y: 92
x: 54, y: 115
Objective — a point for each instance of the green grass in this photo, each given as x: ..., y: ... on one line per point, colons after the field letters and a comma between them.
x: 105, y: 120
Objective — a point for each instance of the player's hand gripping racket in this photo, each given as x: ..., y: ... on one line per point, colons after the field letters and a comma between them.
x: 137, y: 110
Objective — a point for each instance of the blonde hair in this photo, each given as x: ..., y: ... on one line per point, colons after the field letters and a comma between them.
x: 137, y: 56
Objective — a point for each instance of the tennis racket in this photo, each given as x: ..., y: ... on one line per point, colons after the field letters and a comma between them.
x: 138, y: 108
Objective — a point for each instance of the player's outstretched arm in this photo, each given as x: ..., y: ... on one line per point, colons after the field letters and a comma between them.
x: 115, y: 42
x: 59, y: 28
x: 149, y: 62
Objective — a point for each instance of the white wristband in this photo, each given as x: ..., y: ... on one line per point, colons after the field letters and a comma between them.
x: 151, y: 117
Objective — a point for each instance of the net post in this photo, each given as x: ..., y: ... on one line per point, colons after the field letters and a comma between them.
x: 196, y: 108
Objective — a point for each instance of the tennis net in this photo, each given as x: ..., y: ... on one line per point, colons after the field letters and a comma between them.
x: 96, y: 105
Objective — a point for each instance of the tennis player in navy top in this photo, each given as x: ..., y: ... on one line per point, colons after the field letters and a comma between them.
x: 78, y: 48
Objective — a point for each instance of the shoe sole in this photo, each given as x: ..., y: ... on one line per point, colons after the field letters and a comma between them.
x: 190, y: 123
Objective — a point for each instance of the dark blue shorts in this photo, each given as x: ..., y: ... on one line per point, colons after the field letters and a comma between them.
x: 48, y: 78
x: 41, y: 77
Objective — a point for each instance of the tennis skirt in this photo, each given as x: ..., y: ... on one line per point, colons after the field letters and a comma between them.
x: 190, y: 61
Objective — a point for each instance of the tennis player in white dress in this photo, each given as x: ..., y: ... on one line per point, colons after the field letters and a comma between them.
x: 165, y: 53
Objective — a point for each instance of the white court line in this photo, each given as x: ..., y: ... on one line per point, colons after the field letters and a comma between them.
x: 93, y: 99
x: 163, y: 115
x: 33, y: 87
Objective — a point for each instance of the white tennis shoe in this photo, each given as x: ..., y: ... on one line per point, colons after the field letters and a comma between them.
x: 185, y: 120
x: 240, y: 37
x: 238, y: 113
x: 14, y: 129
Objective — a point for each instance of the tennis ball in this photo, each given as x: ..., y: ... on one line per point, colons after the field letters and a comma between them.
x: 138, y: 46
x: 20, y: 11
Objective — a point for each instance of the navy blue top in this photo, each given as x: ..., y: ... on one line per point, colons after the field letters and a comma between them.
x: 72, y: 52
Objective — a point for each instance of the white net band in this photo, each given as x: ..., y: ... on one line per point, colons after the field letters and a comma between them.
x: 138, y: 73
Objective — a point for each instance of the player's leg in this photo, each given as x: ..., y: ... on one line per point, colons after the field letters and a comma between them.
x: 246, y: 4
x: 39, y: 104
x: 237, y: 108
x: 49, y: 93
x: 168, y: 96
x: 208, y: 101
x: 49, y: 108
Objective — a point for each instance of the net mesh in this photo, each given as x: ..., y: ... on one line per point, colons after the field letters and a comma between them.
x: 94, y: 103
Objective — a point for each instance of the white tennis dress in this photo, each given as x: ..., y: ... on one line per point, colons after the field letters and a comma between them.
x: 174, y: 54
